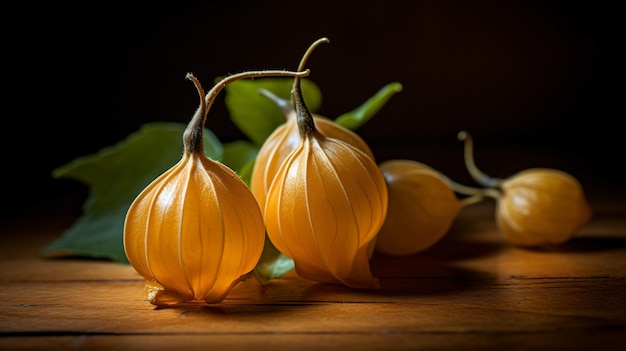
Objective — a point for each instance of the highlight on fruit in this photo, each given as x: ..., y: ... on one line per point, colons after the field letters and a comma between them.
x: 196, y: 230
x: 422, y: 207
x: 318, y: 196
x: 536, y: 207
x: 325, y: 202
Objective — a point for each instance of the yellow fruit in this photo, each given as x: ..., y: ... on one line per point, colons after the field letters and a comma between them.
x: 287, y: 137
x: 196, y: 230
x: 422, y: 208
x: 535, y: 207
x: 325, y: 204
x: 541, y: 207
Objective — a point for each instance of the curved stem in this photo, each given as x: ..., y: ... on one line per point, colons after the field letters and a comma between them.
x: 303, y: 116
x: 193, y: 135
x: 476, y: 173
x: 310, y: 50
x: 195, y: 81
x: 492, y: 193
x: 460, y: 188
x: 470, y: 200
x: 471, y: 191
x: 287, y: 106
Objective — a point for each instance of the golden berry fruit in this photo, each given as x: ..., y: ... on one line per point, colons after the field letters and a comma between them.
x: 196, y: 230
x: 535, y: 207
x: 325, y: 204
x: 422, y: 208
x: 286, y: 138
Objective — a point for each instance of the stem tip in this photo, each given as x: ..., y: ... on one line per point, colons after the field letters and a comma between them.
x: 462, y: 135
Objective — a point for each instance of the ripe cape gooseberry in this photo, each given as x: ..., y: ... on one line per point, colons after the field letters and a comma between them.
x: 286, y: 138
x: 325, y: 202
x: 535, y: 207
x: 196, y: 230
x: 422, y: 208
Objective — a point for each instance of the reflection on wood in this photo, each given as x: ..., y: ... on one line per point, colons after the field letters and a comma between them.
x: 472, y: 290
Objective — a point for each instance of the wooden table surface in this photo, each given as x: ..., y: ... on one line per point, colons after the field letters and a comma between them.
x: 471, y: 291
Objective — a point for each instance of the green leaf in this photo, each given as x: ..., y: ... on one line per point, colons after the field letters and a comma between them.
x: 245, y: 172
x: 255, y: 115
x: 239, y: 155
x: 272, y: 264
x: 115, y: 176
x: 357, y: 117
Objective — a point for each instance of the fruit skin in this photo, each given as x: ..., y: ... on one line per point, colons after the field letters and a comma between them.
x: 324, y: 208
x: 541, y: 207
x: 284, y: 140
x: 194, y: 232
x: 323, y: 198
x: 421, y: 210
x: 535, y: 207
x: 287, y: 136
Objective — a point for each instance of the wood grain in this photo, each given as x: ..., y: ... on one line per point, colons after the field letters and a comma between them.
x: 471, y: 291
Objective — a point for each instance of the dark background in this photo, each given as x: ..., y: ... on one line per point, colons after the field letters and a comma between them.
x: 535, y: 82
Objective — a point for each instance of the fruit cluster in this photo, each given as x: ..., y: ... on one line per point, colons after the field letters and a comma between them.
x: 317, y: 193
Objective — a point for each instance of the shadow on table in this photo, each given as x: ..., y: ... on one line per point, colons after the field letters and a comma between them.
x: 586, y: 244
x: 424, y: 275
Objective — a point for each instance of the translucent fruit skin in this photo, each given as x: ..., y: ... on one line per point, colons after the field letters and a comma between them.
x: 194, y: 232
x: 541, y: 207
x: 285, y: 139
x: 324, y: 208
x: 422, y: 208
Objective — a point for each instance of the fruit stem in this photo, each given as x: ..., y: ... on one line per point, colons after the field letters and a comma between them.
x: 477, y: 174
x: 478, y: 193
x: 304, y: 118
x: 472, y: 199
x: 305, y: 121
x: 193, y: 137
x: 309, y: 51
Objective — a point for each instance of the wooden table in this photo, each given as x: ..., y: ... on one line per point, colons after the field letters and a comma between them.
x: 472, y: 291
